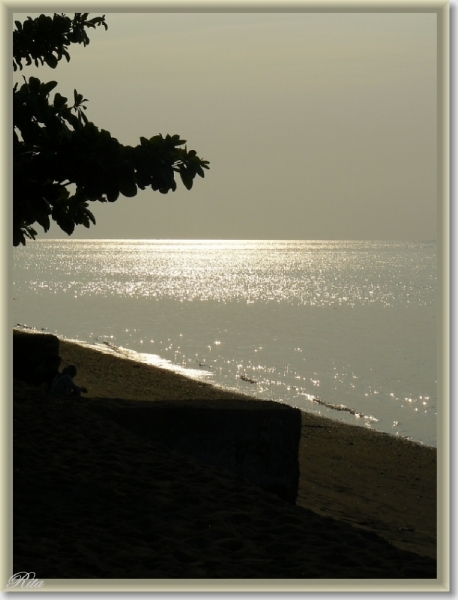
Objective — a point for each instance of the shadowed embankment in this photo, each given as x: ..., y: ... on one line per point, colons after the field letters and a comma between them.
x: 113, y: 486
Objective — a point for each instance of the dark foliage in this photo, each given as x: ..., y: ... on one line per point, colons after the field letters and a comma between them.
x: 56, y: 148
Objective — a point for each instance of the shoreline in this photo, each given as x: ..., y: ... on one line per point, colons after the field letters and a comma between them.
x: 163, y: 364
x: 366, y: 482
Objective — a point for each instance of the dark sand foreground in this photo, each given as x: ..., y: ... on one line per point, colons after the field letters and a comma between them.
x: 93, y: 500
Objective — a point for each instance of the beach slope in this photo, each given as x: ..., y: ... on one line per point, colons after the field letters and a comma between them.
x: 95, y: 498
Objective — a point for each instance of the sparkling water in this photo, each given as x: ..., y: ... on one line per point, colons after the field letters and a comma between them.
x: 347, y: 330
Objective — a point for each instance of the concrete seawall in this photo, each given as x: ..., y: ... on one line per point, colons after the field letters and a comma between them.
x: 258, y: 441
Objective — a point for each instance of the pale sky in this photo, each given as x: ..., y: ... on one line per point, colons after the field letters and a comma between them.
x: 316, y: 126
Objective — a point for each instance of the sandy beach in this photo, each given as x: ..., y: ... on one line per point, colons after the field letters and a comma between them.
x: 94, y: 499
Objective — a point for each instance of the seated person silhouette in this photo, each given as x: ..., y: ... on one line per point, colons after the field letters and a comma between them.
x: 63, y: 386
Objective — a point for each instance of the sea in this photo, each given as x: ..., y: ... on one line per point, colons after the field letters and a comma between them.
x: 344, y: 329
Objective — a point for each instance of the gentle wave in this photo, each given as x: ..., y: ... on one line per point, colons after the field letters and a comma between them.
x: 346, y: 329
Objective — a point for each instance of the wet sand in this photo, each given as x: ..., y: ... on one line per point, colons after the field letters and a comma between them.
x: 108, y: 504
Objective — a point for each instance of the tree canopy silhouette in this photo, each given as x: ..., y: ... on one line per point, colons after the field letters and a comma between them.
x: 62, y: 161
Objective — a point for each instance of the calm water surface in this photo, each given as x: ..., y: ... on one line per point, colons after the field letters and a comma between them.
x: 343, y: 329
